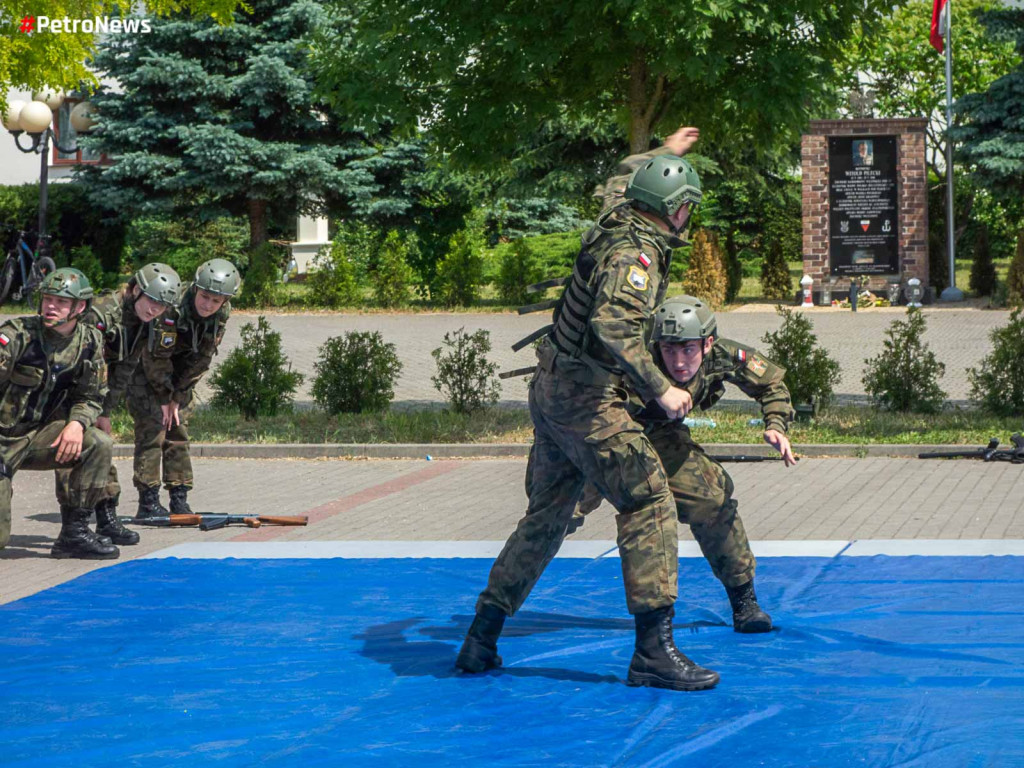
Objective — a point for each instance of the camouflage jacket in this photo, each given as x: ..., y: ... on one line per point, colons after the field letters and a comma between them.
x: 46, y: 376
x: 601, y: 322
x: 754, y: 374
x: 125, y: 336
x: 173, y: 366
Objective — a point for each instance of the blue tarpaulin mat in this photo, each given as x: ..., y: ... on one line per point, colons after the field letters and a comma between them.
x: 876, y: 661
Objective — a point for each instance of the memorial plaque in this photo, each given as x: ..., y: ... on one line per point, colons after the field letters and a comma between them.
x: 863, y: 205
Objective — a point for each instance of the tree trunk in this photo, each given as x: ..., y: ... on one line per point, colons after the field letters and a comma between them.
x: 257, y: 222
x: 644, y: 108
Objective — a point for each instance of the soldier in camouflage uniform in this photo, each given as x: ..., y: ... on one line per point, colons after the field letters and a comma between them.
x: 688, y: 350
x: 53, y: 381
x: 583, y: 431
x: 126, y: 321
x: 161, y: 392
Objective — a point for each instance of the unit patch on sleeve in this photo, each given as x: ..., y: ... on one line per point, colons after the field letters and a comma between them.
x: 757, y: 365
x: 638, y: 279
x: 167, y: 339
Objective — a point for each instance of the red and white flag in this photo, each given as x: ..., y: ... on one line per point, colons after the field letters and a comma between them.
x: 940, y: 18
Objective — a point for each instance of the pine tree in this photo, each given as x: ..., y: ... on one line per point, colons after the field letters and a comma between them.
x: 993, y: 141
x: 705, y: 278
x: 214, y: 119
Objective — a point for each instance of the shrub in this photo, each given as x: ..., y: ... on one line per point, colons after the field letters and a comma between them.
x: 811, y: 375
x: 392, y: 273
x: 84, y: 260
x: 333, y: 280
x: 256, y: 377
x: 1015, y: 277
x: 461, y: 272
x: 998, y: 386
x: 186, y: 244
x: 983, y: 269
x: 776, y: 282
x: 705, y: 276
x: 356, y: 373
x: 464, y: 375
x: 904, y: 377
x: 519, y: 268
x: 261, y: 278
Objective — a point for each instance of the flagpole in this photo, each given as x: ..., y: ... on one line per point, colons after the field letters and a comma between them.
x: 952, y: 293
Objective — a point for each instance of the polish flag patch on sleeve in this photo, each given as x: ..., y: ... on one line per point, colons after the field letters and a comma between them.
x: 644, y: 259
x: 741, y: 355
x: 4, y: 340
x: 101, y: 326
x: 168, y: 321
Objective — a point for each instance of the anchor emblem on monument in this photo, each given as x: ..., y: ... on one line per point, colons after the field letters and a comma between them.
x: 887, y: 227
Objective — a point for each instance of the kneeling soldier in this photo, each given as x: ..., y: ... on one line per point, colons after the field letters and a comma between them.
x: 53, y: 381
x: 686, y: 348
x: 162, y: 388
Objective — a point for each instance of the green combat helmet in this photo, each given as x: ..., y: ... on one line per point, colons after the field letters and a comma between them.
x: 683, y: 318
x: 663, y: 185
x: 67, y: 282
x: 159, y: 282
x: 218, y: 276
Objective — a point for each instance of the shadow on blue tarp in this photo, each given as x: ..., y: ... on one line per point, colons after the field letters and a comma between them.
x: 883, y: 661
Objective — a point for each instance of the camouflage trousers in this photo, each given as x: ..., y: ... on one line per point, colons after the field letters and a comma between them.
x: 702, y: 490
x: 584, y: 433
x: 156, y: 447
x: 85, y: 480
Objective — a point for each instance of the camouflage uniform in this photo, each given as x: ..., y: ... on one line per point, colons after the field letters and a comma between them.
x: 47, y: 381
x: 582, y: 427
x: 170, y: 370
x: 124, y: 337
x: 700, y: 485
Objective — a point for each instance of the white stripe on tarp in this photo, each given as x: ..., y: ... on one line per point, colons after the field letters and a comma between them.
x: 936, y: 547
x: 271, y: 550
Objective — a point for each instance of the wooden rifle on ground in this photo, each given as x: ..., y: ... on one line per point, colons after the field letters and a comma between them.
x: 213, y: 521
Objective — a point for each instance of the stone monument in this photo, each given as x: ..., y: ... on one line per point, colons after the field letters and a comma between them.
x: 865, y: 204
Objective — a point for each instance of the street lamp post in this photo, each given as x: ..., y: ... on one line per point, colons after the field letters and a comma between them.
x: 35, y: 119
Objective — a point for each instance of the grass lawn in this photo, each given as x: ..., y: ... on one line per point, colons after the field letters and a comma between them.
x: 841, y: 425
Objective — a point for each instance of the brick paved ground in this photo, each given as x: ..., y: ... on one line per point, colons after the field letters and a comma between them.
x: 481, y: 500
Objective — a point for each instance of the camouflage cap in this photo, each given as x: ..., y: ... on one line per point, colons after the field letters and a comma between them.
x: 683, y: 318
x: 67, y: 282
x: 218, y: 276
x: 663, y: 185
x: 159, y: 282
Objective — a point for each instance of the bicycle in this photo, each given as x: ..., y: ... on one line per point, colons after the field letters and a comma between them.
x: 31, y: 266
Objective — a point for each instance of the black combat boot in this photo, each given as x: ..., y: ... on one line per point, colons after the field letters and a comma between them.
x: 149, y: 504
x: 179, y: 501
x: 76, y: 540
x: 109, y: 526
x: 658, y: 663
x: 747, y: 616
x: 480, y: 648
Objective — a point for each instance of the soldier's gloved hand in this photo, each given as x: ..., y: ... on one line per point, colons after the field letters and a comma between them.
x: 103, y: 422
x: 676, y: 403
x: 170, y: 415
x: 679, y: 143
x: 780, y: 443
x: 69, y: 442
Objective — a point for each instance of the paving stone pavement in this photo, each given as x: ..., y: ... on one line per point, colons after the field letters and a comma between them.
x: 482, y: 499
x: 959, y: 338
